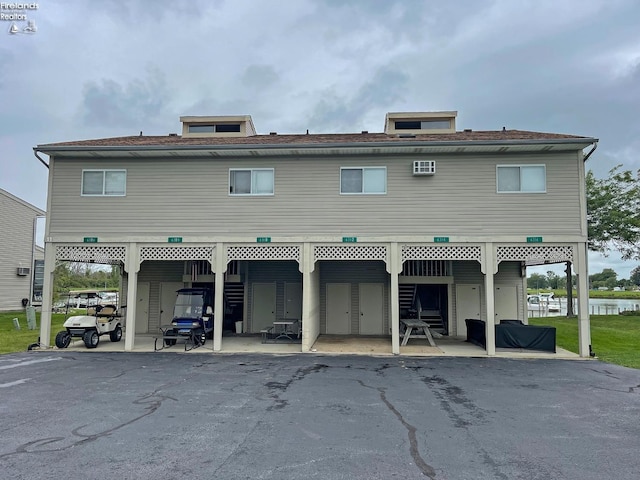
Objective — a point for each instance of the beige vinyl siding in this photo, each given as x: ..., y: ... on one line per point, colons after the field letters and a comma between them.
x: 353, y: 272
x: 190, y: 197
x: 16, y: 250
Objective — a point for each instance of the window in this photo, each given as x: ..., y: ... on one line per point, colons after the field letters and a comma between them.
x: 202, y: 128
x: 215, y: 128
x: 253, y: 181
x: 369, y: 180
x: 228, y: 127
x: 104, y: 182
x: 522, y: 178
x: 423, y: 125
x: 38, y: 280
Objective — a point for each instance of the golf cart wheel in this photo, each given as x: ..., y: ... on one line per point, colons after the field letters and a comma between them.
x: 63, y: 339
x: 91, y: 339
x: 116, y: 334
x: 199, y: 337
x: 170, y: 341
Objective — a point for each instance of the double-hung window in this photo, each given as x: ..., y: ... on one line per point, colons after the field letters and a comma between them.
x: 104, y: 183
x: 251, y: 181
x: 521, y: 178
x: 363, y: 180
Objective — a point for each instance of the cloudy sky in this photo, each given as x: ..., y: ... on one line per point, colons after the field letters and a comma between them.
x: 113, y: 67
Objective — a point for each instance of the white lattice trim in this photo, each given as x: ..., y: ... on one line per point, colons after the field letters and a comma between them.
x: 539, y: 253
x: 438, y: 252
x: 91, y: 254
x: 264, y: 252
x: 177, y: 253
x: 351, y: 252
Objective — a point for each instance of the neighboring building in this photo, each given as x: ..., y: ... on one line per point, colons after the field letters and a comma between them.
x: 348, y: 232
x: 18, y: 252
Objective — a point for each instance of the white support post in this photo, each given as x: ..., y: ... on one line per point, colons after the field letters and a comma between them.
x: 310, y: 299
x: 132, y: 268
x: 305, y: 268
x: 489, y: 269
x: 47, y: 293
x: 395, y: 268
x: 220, y: 267
x: 584, y: 323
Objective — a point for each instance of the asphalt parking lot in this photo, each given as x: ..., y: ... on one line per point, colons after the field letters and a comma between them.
x: 201, y: 416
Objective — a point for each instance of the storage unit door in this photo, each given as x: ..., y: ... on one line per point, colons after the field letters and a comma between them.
x: 293, y: 300
x: 506, y: 302
x: 371, y: 309
x: 338, y: 308
x: 142, y: 308
x: 263, y: 306
x: 467, y: 306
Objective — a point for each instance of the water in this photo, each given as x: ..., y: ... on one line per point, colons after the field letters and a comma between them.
x: 597, y: 306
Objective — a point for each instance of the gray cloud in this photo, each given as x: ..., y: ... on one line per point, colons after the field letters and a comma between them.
x: 339, y: 112
x: 260, y: 76
x: 108, y: 103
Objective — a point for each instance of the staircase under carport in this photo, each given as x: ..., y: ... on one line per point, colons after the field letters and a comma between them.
x: 234, y: 293
x: 407, y: 296
x: 409, y: 299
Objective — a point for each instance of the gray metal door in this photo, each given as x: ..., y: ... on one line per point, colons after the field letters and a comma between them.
x: 338, y: 308
x: 293, y: 300
x: 506, y: 302
x: 371, y: 308
x: 467, y: 306
x: 142, y: 308
x: 263, y: 306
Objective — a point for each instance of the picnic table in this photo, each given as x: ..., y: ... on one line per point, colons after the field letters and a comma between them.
x: 412, y: 324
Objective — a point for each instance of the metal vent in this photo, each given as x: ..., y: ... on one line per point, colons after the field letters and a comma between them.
x: 424, y: 167
x: 23, y: 271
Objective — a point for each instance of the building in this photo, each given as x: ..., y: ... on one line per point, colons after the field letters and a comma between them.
x: 18, y: 251
x: 348, y: 232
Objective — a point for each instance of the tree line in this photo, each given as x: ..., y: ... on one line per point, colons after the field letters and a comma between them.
x: 608, y: 278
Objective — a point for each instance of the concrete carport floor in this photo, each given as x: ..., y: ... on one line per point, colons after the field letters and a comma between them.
x: 326, y: 344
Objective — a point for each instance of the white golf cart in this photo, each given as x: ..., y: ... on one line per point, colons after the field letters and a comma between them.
x: 100, y: 320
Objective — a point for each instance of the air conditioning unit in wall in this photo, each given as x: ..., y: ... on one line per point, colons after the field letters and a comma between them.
x: 23, y: 271
x: 424, y: 167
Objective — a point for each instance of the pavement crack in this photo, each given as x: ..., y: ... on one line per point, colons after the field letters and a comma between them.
x: 151, y: 403
x: 276, y: 389
x: 424, y: 467
x: 450, y: 395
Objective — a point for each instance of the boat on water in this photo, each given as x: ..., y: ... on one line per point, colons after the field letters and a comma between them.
x: 543, y: 301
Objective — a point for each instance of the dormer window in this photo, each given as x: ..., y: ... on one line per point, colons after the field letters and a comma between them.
x: 415, y: 123
x: 218, y: 126
x: 215, y: 128
x: 423, y: 125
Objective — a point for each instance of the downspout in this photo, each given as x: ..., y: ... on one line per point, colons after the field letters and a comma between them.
x: 35, y: 152
x: 595, y: 145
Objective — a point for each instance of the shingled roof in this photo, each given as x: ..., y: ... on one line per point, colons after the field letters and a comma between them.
x: 177, y: 141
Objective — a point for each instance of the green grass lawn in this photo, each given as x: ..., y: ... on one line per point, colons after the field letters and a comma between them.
x: 12, y: 340
x: 614, y: 338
